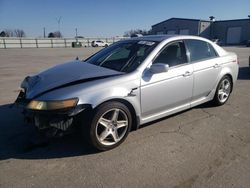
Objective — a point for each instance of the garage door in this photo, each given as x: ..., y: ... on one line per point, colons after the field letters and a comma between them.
x: 233, y: 35
x: 184, y: 32
x: 171, y: 32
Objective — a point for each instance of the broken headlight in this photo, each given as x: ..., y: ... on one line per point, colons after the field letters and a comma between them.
x: 52, y: 105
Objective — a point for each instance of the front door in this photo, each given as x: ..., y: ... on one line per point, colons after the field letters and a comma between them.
x: 167, y: 92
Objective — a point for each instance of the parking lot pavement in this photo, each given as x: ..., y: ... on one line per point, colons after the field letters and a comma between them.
x: 203, y: 147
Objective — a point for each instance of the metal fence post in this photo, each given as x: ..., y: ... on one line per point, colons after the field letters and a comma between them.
x: 51, y: 40
x: 4, y: 44
x: 21, y: 43
x: 88, y: 42
x: 65, y: 43
x: 36, y: 43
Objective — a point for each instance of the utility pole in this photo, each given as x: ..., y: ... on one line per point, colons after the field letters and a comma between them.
x: 59, y: 22
x: 44, y: 33
x: 212, y: 20
x: 76, y: 32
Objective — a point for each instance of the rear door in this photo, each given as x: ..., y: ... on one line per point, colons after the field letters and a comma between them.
x: 205, y: 66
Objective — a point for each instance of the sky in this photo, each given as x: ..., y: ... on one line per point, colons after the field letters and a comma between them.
x: 108, y: 18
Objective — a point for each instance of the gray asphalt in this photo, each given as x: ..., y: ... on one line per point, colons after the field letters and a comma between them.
x: 203, y: 147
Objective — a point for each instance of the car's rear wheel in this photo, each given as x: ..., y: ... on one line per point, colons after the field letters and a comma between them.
x: 223, y: 91
x: 110, y: 125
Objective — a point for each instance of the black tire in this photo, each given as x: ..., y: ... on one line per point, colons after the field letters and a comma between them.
x: 96, y: 45
x: 217, y: 100
x: 101, y: 111
x: 106, y: 45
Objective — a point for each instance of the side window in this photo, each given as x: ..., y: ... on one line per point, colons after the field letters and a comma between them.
x: 200, y: 50
x: 173, y: 54
x: 212, y: 51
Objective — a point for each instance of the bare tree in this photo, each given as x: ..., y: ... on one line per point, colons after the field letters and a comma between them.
x: 56, y: 34
x: 2, y: 34
x: 19, y: 33
x: 13, y: 33
x: 8, y: 33
x: 51, y: 35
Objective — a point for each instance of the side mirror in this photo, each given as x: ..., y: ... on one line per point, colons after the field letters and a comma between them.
x: 159, y: 68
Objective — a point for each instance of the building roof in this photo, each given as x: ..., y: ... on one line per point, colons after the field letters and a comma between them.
x: 233, y: 20
x: 187, y: 19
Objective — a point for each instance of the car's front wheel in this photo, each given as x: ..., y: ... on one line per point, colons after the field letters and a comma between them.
x: 110, y: 125
x: 223, y: 91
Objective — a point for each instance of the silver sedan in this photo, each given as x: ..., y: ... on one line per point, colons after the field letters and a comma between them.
x: 128, y: 84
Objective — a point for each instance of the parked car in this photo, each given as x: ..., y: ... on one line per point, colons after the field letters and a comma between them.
x: 127, y: 84
x: 136, y: 35
x: 99, y: 43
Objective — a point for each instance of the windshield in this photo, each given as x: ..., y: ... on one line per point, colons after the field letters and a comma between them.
x: 123, y: 56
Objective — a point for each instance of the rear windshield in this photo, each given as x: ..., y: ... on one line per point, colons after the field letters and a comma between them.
x: 123, y: 56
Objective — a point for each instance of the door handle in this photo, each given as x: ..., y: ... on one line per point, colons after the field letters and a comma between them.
x: 187, y: 73
x: 216, y: 65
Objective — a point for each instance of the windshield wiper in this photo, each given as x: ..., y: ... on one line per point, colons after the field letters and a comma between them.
x: 129, y: 62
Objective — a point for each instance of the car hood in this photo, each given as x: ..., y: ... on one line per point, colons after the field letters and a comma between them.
x: 65, y: 75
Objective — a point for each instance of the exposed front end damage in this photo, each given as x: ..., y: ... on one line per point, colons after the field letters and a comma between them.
x: 52, y: 122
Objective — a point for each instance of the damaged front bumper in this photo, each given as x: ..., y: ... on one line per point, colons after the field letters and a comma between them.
x: 59, y: 119
x: 53, y: 121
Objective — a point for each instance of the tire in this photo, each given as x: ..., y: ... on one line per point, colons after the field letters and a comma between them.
x: 96, y: 45
x: 223, y: 91
x: 106, y: 45
x: 104, y: 133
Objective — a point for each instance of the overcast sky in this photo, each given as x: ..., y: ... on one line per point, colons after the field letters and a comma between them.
x: 109, y: 17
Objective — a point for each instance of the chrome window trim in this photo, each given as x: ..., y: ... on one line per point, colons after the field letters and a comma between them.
x: 200, y: 60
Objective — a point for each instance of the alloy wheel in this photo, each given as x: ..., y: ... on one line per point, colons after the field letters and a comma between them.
x: 224, y: 90
x: 111, y: 126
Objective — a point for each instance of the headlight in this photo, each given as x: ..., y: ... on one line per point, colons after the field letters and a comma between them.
x: 52, y: 105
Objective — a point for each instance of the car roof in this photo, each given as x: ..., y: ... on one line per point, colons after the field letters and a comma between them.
x: 160, y: 38
x: 157, y: 38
